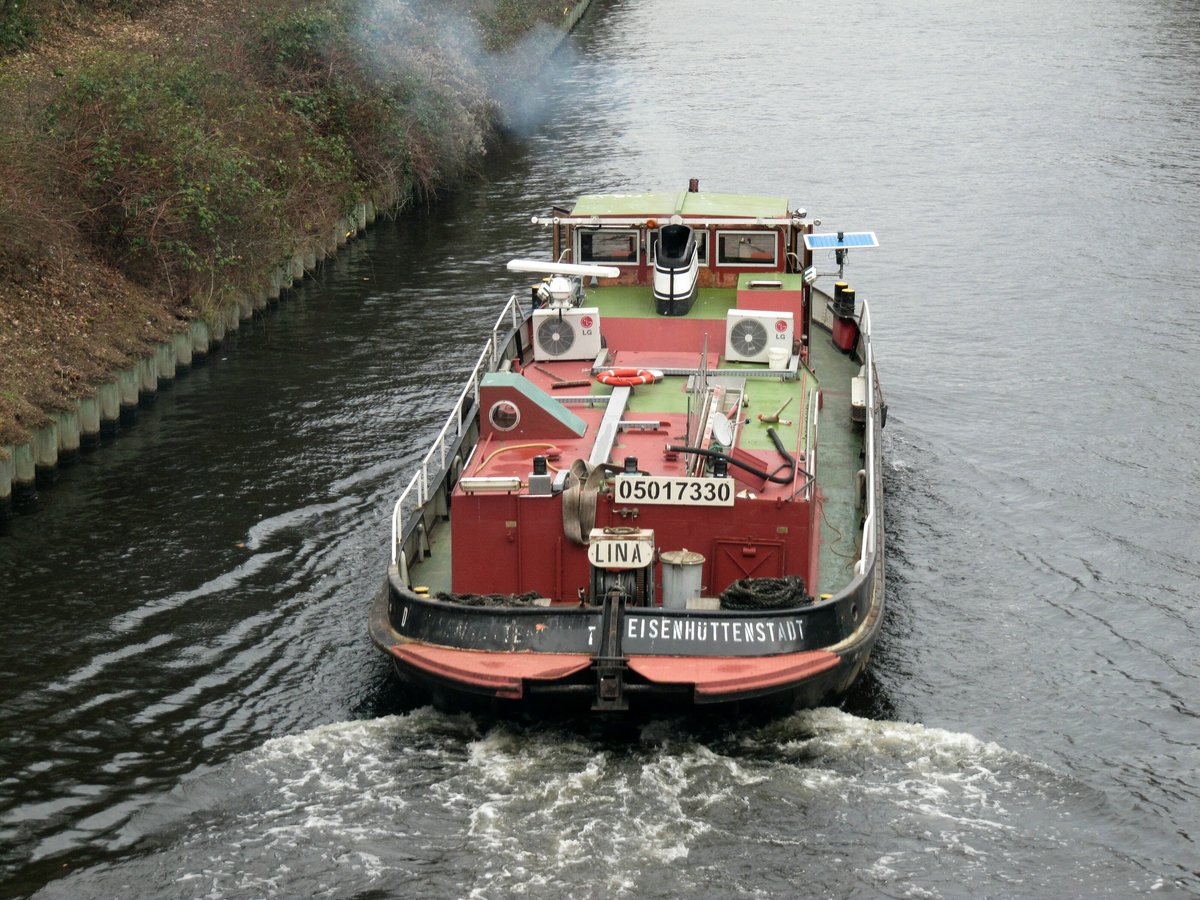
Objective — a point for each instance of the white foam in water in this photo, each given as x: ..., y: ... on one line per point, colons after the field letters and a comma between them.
x: 433, y: 805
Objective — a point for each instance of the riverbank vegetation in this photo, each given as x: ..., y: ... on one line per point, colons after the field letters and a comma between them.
x: 158, y: 159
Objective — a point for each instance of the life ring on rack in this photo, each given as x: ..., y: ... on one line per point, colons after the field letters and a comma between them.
x: 629, y: 377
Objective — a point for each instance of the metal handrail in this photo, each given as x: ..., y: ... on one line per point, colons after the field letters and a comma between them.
x: 455, y: 426
x: 868, y: 543
x: 810, y: 458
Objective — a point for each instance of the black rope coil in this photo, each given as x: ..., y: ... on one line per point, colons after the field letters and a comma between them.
x: 766, y: 593
x: 489, y: 599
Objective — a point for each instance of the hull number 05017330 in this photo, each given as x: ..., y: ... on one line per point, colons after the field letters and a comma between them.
x: 675, y: 491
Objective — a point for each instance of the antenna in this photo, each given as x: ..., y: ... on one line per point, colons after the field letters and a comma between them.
x: 546, y: 267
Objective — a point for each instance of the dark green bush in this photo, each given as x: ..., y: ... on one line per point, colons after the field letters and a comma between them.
x: 189, y: 176
x: 199, y: 166
x: 17, y: 25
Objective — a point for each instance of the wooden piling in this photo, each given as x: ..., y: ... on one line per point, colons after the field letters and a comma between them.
x: 110, y: 409
x: 45, y: 454
x: 89, y: 423
x: 6, y: 487
x: 67, y: 427
x: 127, y: 384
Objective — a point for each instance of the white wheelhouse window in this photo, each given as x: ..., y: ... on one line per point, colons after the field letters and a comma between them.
x: 748, y: 248
x: 611, y: 246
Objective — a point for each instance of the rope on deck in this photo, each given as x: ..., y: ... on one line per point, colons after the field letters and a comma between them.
x: 489, y: 599
x: 766, y: 593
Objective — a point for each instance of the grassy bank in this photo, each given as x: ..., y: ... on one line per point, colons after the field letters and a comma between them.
x: 158, y: 159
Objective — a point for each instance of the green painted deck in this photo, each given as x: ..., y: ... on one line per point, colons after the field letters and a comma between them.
x: 787, y: 282
x: 765, y: 396
x: 839, y: 457
x: 636, y: 302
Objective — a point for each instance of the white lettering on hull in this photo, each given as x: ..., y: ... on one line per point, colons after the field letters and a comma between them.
x: 706, y: 631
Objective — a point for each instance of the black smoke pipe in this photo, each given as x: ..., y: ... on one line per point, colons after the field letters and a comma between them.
x: 773, y: 477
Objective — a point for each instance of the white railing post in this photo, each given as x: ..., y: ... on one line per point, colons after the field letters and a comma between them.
x: 420, y: 483
x: 868, y: 543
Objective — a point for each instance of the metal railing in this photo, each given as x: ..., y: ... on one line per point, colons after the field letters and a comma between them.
x: 436, y: 462
x: 868, y: 542
x: 810, y: 457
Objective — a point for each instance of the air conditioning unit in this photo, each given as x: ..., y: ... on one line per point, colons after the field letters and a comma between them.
x: 566, y: 334
x: 750, y: 334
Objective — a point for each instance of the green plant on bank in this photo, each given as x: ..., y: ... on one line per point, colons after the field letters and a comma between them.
x: 188, y: 176
x: 504, y: 22
x: 158, y: 154
x: 17, y: 25
x: 398, y: 81
x: 197, y: 167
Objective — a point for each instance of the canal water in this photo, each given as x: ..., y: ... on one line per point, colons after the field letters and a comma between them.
x: 191, y: 707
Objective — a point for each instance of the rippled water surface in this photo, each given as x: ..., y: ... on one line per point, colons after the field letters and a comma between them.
x: 191, y: 704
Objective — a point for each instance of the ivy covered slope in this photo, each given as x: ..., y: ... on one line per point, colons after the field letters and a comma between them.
x: 157, y: 160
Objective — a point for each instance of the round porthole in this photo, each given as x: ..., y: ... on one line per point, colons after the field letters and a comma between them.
x: 504, y: 415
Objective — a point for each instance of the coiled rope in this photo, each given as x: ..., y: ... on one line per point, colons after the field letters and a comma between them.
x: 489, y: 599
x: 766, y: 593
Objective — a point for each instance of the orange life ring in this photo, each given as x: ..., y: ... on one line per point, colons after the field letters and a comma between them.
x: 629, y: 377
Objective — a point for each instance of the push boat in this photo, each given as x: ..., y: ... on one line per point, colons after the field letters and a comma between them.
x: 660, y: 487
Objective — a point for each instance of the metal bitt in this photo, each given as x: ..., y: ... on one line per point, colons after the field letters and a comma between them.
x: 610, y: 663
x: 622, y: 575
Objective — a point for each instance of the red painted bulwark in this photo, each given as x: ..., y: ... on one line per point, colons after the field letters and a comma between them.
x: 487, y: 522
x: 716, y: 676
x: 772, y: 300
x: 751, y: 558
x: 505, y: 673
x: 666, y: 334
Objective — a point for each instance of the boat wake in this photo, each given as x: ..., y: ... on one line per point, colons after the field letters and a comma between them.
x: 436, y: 805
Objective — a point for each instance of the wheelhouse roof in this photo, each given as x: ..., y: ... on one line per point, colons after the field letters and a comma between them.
x: 682, y: 203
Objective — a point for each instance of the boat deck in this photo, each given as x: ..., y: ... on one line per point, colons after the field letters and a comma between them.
x: 840, y: 442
